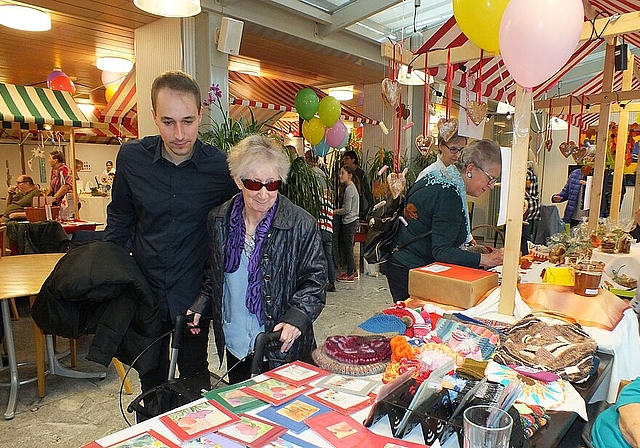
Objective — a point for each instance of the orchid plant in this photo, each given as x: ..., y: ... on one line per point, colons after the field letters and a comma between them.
x: 227, y: 132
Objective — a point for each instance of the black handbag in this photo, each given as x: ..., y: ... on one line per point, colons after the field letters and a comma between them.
x: 384, y: 222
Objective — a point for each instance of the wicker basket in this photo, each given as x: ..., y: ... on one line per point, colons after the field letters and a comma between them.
x: 37, y: 214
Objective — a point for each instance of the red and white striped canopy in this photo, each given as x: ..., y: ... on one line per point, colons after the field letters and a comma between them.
x: 497, y: 83
x: 277, y: 95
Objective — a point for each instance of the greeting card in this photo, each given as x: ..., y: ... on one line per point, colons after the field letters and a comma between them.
x: 288, y: 441
x: 341, y: 401
x: 297, y: 373
x: 350, y: 384
x: 235, y: 399
x: 147, y: 439
x: 210, y: 440
x: 252, y: 431
x: 292, y: 414
x: 198, y: 419
x: 275, y: 391
x: 340, y: 430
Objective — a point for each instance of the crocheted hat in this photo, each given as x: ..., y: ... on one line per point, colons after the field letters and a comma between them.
x: 384, y: 324
x: 353, y: 355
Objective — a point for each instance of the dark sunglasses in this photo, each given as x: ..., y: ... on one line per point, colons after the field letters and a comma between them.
x: 255, y: 185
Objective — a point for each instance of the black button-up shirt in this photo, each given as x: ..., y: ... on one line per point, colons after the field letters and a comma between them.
x: 163, y: 208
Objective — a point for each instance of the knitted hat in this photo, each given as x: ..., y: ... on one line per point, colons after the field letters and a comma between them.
x: 383, y: 324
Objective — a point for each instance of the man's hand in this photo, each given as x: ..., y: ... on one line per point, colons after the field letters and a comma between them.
x: 629, y: 423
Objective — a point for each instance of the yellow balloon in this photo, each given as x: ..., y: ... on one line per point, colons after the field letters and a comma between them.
x: 313, y: 130
x: 480, y: 20
x: 110, y: 91
x: 638, y: 118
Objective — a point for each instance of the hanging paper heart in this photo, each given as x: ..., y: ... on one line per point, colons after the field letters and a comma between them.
x: 403, y: 111
x: 396, y: 183
x: 447, y: 128
x: 548, y: 144
x: 477, y: 111
x: 391, y: 92
x: 424, y: 144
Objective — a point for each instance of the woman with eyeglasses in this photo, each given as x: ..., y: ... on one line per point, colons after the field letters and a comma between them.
x: 437, y: 203
x: 267, y: 270
x: 449, y: 151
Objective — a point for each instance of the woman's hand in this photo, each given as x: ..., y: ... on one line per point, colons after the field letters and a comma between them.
x: 288, y: 336
x: 495, y: 258
x: 194, y: 325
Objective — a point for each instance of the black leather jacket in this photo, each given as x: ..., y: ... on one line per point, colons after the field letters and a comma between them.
x: 294, y: 278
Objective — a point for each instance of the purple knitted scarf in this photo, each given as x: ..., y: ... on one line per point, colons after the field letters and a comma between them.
x: 235, y: 245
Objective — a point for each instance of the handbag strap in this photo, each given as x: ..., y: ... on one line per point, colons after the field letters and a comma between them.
x: 417, y: 237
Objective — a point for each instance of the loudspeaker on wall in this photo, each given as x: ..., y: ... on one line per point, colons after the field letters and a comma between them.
x: 230, y: 35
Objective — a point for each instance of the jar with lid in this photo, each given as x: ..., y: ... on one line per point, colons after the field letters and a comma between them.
x: 608, y: 243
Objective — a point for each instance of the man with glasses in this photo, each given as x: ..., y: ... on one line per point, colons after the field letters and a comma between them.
x: 20, y: 196
x: 165, y: 186
x: 448, y: 155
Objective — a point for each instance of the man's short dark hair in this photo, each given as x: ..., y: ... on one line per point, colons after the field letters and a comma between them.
x: 57, y: 155
x: 176, y: 80
x: 352, y: 155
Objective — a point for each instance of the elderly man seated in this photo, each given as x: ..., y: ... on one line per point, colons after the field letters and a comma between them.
x: 617, y: 427
x: 20, y: 196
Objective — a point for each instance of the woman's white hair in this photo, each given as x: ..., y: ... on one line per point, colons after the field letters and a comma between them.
x: 258, y: 150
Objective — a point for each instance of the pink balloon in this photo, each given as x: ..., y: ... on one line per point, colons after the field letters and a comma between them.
x: 538, y: 38
x: 335, y: 134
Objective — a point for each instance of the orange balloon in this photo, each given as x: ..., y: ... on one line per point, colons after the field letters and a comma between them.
x: 110, y: 91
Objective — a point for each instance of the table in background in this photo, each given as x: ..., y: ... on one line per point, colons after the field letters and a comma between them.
x: 94, y: 208
x: 20, y: 276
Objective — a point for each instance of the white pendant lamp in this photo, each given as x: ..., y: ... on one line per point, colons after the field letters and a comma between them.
x: 24, y: 18
x: 170, y: 8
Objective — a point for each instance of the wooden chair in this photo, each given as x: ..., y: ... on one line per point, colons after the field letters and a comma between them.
x: 4, y: 251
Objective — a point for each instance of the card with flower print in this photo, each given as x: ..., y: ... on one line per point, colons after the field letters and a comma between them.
x: 275, y: 391
x: 197, y: 419
x: 252, y: 431
x: 147, y: 439
x: 235, y: 399
x: 350, y: 384
x: 297, y: 373
x: 341, y: 431
x: 341, y: 401
x: 293, y: 413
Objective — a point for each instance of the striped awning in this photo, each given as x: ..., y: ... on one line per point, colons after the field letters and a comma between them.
x: 497, y: 83
x: 278, y: 96
x: 38, y: 106
x: 117, y: 109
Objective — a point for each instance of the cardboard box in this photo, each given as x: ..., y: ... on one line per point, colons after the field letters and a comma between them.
x: 451, y: 284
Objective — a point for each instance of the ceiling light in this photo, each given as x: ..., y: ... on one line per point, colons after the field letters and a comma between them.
x: 24, y: 18
x: 344, y: 93
x: 409, y: 76
x: 170, y: 8
x: 120, y: 65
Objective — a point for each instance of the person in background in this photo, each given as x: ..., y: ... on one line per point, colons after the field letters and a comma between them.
x: 438, y: 204
x: 266, y: 269
x: 532, y: 213
x: 350, y: 159
x: 325, y: 220
x: 20, y: 196
x: 108, y: 174
x: 448, y: 154
x: 166, y: 185
x: 61, y: 180
x: 349, y: 225
x: 617, y: 427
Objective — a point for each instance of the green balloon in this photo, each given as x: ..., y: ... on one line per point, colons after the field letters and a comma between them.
x: 329, y: 110
x: 306, y: 103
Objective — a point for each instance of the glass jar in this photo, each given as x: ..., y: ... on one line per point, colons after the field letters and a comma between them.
x: 608, y: 243
x: 623, y: 246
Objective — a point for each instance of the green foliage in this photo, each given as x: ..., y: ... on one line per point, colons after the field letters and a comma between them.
x: 378, y: 183
x: 228, y: 132
x: 302, y: 187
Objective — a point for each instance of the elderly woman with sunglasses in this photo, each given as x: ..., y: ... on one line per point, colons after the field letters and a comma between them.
x: 267, y: 269
x: 436, y: 205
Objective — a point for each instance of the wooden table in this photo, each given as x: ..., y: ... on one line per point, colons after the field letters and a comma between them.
x: 20, y: 276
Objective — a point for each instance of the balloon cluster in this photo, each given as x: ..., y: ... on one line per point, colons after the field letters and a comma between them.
x: 58, y: 80
x: 535, y: 39
x: 325, y: 130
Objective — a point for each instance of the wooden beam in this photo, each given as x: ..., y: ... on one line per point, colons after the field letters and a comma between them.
x: 621, y: 147
x: 606, y: 97
x: 605, y: 27
x: 601, y: 143
x: 517, y: 181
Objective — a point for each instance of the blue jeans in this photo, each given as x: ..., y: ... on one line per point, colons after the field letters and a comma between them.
x: 327, y: 245
x: 398, y: 280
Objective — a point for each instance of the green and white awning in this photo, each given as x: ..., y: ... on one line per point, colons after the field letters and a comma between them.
x: 38, y: 106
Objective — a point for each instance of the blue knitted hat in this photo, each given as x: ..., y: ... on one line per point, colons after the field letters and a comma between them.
x: 383, y: 323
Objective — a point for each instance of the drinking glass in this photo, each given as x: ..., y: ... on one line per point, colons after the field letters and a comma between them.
x: 486, y: 427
